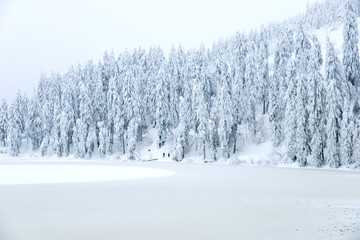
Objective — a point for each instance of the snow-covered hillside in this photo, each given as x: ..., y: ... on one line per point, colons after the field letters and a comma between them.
x: 286, y: 94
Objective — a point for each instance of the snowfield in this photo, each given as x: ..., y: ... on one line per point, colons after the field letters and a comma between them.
x: 197, y: 201
x: 35, y: 174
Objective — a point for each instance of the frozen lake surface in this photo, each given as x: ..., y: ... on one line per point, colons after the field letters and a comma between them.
x: 40, y: 174
x: 189, y: 201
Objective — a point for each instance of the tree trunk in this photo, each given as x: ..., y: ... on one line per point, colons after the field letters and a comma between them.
x: 123, y: 143
x: 264, y: 107
x: 204, y: 151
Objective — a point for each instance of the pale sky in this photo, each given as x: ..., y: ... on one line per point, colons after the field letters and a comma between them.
x: 43, y: 35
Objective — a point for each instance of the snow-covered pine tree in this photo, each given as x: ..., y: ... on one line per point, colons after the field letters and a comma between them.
x: 347, y: 134
x: 281, y: 58
x: 302, y: 50
x: 290, y: 111
x: 274, y: 110
x: 202, y: 117
x: 132, y: 136
x: 14, y: 131
x: 4, y: 122
x: 250, y: 90
x: 174, y: 87
x: 57, y: 144
x: 102, y: 139
x: 302, y: 129
x: 67, y: 118
x: 155, y: 60
x: 350, y: 46
x: 263, y: 69
x: 237, y: 88
x: 99, y: 97
x: 162, y: 106
x: 356, y: 147
x: 108, y: 69
x: 316, y: 106
x: 226, y: 114
x: 213, y: 139
x: 46, y: 100
x: 35, y: 130
x: 182, y: 140
x: 79, y: 139
x: 333, y: 78
x: 115, y: 118
x: 83, y: 138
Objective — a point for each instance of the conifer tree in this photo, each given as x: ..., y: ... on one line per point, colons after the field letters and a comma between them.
x: 225, y: 113
x: 290, y: 113
x: 334, y: 78
x: 302, y: 130
x: 263, y: 70
x: 182, y: 140
x: 35, y: 128
x: 317, y: 97
x: 162, y: 106
x: 4, y: 122
x: 102, y: 139
x: 350, y: 46
x: 14, y: 131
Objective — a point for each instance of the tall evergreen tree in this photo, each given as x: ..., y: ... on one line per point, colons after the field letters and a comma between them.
x: 182, y: 140
x: 290, y: 112
x: 317, y: 97
x: 4, y: 122
x: 263, y: 70
x: 14, y: 131
x: 226, y: 113
x: 162, y: 106
x: 35, y: 128
x: 350, y: 46
x: 302, y: 128
x: 334, y: 78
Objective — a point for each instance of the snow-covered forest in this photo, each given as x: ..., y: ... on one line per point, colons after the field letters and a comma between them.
x: 278, y: 84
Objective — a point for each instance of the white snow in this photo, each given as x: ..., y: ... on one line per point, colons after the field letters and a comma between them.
x: 38, y: 174
x: 199, y: 201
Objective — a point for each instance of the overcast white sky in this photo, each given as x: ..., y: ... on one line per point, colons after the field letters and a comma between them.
x: 44, y: 35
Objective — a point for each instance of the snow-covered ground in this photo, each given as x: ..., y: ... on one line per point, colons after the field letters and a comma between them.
x: 196, y: 202
x: 37, y: 174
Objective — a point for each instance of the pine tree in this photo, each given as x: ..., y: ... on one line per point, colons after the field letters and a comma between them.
x: 302, y: 50
x: 131, y: 137
x: 162, y: 106
x: 14, y: 131
x: 350, y: 46
x: 80, y: 138
x: 182, y: 140
x: 202, y: 117
x: 274, y: 112
x: 316, y: 105
x: 302, y: 130
x: 4, y: 122
x: 290, y: 112
x: 115, y: 118
x: 226, y: 114
x: 102, y: 139
x: 35, y: 127
x: 213, y: 139
x: 67, y: 119
x: 356, y: 149
x: 347, y: 135
x: 334, y: 78
x: 250, y: 90
x: 263, y: 70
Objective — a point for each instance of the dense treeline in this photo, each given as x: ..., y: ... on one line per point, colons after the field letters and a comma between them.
x: 212, y: 100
